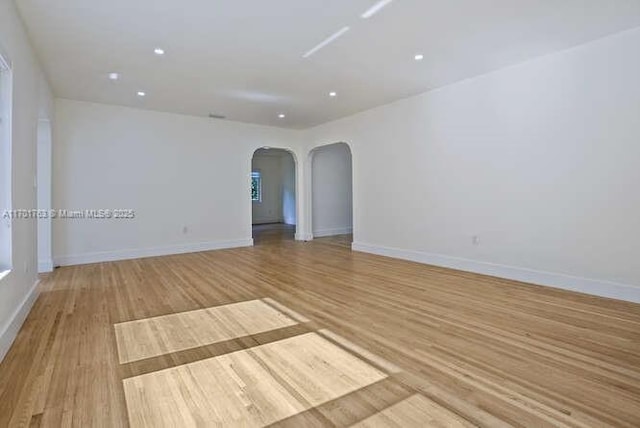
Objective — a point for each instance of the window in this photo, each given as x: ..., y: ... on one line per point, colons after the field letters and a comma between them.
x: 5, y: 164
x: 256, y: 186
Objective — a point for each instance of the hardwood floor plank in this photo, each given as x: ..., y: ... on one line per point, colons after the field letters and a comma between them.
x: 174, y: 359
x: 254, y: 387
x: 151, y: 337
x: 351, y: 408
x: 491, y: 351
x: 360, y: 352
x: 415, y: 411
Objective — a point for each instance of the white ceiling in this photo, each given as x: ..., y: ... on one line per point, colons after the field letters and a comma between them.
x: 243, y: 58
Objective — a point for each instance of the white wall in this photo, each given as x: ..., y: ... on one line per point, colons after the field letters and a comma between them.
x: 44, y: 163
x: 332, y: 198
x: 175, y: 171
x: 31, y: 101
x: 5, y: 159
x: 539, y: 160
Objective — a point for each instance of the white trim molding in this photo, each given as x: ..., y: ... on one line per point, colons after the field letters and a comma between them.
x: 594, y: 287
x: 112, y: 256
x: 332, y: 232
x: 11, y: 329
x: 45, y: 266
x: 303, y: 237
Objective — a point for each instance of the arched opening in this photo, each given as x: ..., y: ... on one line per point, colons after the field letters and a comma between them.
x: 332, y: 193
x: 273, y: 196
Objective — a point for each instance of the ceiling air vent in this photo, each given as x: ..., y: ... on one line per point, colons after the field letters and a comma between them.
x: 217, y: 116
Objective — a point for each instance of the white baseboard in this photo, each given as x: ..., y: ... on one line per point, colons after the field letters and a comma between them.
x: 332, y: 232
x: 595, y: 287
x: 11, y: 329
x: 111, y: 256
x: 45, y: 266
x: 303, y: 237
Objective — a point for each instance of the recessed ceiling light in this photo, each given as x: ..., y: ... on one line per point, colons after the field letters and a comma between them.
x: 333, y: 94
x: 375, y: 8
x: 419, y: 57
x: 282, y: 116
x: 158, y: 51
x: 114, y: 76
x: 142, y: 93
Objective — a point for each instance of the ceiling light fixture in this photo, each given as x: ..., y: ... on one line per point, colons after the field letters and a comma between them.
x: 114, y: 76
x: 333, y: 94
x: 375, y: 8
x: 158, y: 51
x: 419, y: 57
x: 142, y: 93
x: 282, y: 116
x: 326, y: 41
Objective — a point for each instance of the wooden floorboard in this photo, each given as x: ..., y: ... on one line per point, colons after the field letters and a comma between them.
x: 151, y: 337
x: 278, y: 380
x: 487, y: 351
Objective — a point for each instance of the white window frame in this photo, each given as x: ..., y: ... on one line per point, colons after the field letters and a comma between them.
x: 6, y: 104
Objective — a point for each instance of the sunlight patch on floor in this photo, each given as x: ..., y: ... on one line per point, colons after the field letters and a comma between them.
x: 253, y: 387
x: 152, y: 337
x: 415, y: 411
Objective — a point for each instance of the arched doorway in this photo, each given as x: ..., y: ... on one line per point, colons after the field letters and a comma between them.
x: 332, y: 192
x: 273, y: 196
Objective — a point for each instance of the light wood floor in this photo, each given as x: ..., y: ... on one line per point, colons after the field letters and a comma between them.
x: 438, y: 345
x: 273, y: 233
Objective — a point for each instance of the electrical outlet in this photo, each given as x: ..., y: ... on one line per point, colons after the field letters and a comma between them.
x: 475, y: 240
x: 185, y: 230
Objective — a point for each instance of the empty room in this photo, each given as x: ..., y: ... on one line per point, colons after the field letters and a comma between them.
x: 320, y: 213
